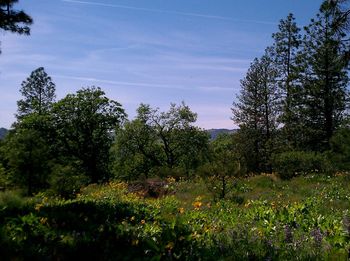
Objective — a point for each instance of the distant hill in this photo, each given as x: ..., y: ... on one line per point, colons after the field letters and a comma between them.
x: 215, y: 132
x: 3, y: 133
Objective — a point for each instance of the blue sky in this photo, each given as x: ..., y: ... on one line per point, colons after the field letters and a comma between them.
x: 145, y: 51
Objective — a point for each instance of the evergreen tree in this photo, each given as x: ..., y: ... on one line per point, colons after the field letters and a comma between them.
x: 13, y: 20
x: 256, y: 112
x: 28, y: 157
x: 284, y: 54
x: 38, y: 92
x: 28, y: 148
x: 324, y: 78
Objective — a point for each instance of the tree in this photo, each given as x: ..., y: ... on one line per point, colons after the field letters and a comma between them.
x: 136, y: 150
x: 224, y: 163
x: 174, y: 130
x: 28, y: 149
x: 160, y: 140
x: 284, y: 54
x: 257, y: 110
x: 27, y: 155
x: 84, y: 124
x: 324, y: 78
x: 13, y: 20
x: 38, y: 92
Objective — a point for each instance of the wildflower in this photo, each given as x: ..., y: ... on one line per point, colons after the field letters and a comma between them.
x: 199, y: 198
x: 170, y: 245
x: 197, y: 205
x: 38, y: 207
x: 132, y: 218
x: 246, y: 205
x: 317, y: 235
x: 43, y: 220
x: 181, y: 210
x: 288, y: 234
x: 143, y: 222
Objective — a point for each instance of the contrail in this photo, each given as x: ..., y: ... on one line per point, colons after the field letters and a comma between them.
x: 142, y: 84
x: 168, y: 12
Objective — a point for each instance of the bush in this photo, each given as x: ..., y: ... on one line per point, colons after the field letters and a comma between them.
x: 340, y: 150
x: 12, y: 199
x: 297, y: 163
x: 66, y: 181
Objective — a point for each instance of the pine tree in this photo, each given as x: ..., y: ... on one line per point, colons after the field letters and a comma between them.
x: 38, y: 92
x: 256, y: 112
x: 324, y: 78
x: 284, y: 54
x: 13, y: 20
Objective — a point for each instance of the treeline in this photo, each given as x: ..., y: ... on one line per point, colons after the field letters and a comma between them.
x: 86, y: 138
x: 293, y: 108
x: 292, y: 112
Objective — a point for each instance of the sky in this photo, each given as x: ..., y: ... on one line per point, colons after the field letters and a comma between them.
x: 145, y: 51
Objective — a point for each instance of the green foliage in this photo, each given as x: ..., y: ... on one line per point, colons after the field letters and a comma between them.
x: 284, y: 52
x: 67, y: 180
x: 12, y: 199
x: 340, y: 150
x: 159, y: 140
x: 296, y: 163
x: 324, y: 79
x: 38, y: 92
x: 104, y: 222
x: 13, y: 20
x: 256, y: 112
x: 84, y: 123
x: 224, y: 163
x: 27, y: 155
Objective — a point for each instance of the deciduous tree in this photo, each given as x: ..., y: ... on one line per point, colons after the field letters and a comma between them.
x: 85, y: 124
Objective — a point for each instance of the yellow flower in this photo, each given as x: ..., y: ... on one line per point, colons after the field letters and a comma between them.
x: 43, y: 220
x: 181, y: 210
x: 143, y: 222
x: 197, y: 205
x: 38, y: 207
x: 199, y: 198
x: 132, y: 218
x: 170, y: 245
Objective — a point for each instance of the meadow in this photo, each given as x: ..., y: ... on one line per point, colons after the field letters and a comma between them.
x: 261, y: 218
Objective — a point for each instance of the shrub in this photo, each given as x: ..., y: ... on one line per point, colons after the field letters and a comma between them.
x: 66, y: 181
x: 340, y: 150
x: 11, y: 199
x: 296, y: 163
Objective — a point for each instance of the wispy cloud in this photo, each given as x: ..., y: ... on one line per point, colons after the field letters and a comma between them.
x: 143, y: 84
x: 206, y: 16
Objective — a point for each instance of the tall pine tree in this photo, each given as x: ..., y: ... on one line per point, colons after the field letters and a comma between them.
x: 324, y: 78
x: 38, y: 92
x: 256, y: 113
x: 284, y: 54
